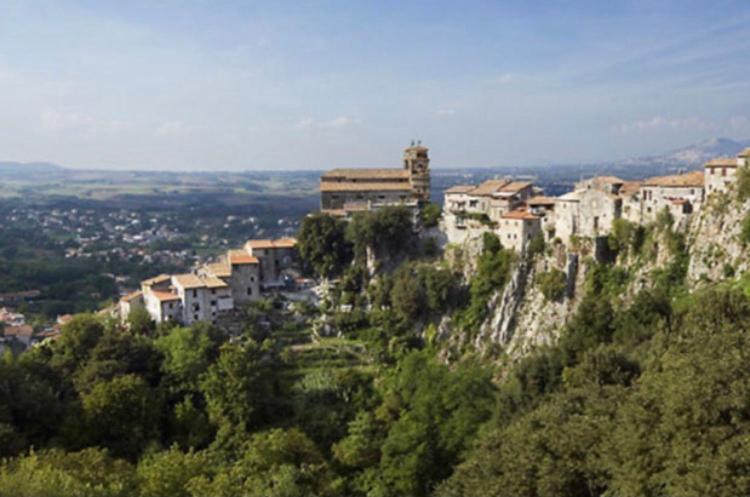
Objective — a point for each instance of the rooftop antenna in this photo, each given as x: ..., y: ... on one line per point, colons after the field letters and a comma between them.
x: 419, y: 142
x: 412, y: 143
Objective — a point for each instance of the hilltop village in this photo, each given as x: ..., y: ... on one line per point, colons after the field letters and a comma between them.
x: 518, y: 211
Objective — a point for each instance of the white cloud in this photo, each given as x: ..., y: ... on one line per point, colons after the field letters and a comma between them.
x: 658, y: 123
x: 308, y: 122
x: 444, y: 112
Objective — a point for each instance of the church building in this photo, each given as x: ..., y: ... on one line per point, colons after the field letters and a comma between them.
x: 344, y: 191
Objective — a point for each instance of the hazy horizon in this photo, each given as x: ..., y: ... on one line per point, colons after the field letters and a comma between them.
x: 239, y: 86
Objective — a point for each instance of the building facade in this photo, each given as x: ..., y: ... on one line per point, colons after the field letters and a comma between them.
x: 344, y: 191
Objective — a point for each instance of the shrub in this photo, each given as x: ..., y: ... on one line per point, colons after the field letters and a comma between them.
x: 743, y: 183
x: 430, y: 215
x: 745, y: 233
x: 536, y: 245
x: 552, y: 284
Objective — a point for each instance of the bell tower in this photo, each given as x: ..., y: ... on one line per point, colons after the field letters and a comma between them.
x: 417, y: 162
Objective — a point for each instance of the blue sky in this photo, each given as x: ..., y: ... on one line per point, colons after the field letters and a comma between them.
x: 167, y: 84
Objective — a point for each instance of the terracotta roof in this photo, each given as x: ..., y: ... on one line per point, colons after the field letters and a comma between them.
x: 221, y: 269
x: 367, y: 173
x: 350, y: 186
x: 694, y: 179
x: 541, y: 200
x: 240, y: 256
x: 188, y: 280
x: 630, y: 187
x: 574, y: 196
x: 460, y: 189
x: 131, y: 296
x: 23, y: 330
x: 213, y: 282
x: 610, y: 180
x: 520, y: 214
x: 722, y: 162
x: 271, y: 244
x: 515, y: 186
x: 679, y: 201
x: 165, y: 296
x: 156, y: 279
x: 489, y: 187
x: 744, y: 153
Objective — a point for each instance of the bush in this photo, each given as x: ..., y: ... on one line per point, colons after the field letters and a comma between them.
x: 430, y: 215
x: 745, y: 233
x: 536, y: 245
x: 552, y: 284
x: 743, y: 183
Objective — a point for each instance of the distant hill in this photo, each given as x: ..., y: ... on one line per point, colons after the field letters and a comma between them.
x: 694, y: 155
x: 20, y: 168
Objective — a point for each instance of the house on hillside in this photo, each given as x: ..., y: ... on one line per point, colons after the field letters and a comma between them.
x: 722, y: 172
x: 681, y: 194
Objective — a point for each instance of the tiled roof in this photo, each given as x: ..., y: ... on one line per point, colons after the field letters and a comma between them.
x: 23, y: 330
x: 165, y: 296
x: 520, y: 214
x: 213, y: 282
x: 630, y: 187
x: 240, y: 256
x: 367, y: 173
x: 515, y: 186
x: 574, y: 196
x: 350, y: 186
x: 271, y: 244
x: 188, y: 280
x: 692, y: 179
x: 156, y: 279
x: 722, y: 162
x: 745, y: 153
x: 460, y: 189
x: 219, y: 269
x: 609, y: 180
x: 489, y: 187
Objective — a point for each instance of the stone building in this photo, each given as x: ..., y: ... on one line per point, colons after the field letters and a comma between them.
x: 544, y: 208
x: 344, y: 191
x: 517, y: 227
x: 722, y: 172
x: 567, y: 213
x: 681, y: 194
x: 241, y: 276
x: 600, y: 204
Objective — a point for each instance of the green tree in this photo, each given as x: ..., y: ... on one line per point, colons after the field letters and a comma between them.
x: 122, y: 415
x: 54, y: 473
x: 168, y: 473
x: 140, y: 322
x: 275, y: 463
x: 239, y: 390
x: 322, y: 244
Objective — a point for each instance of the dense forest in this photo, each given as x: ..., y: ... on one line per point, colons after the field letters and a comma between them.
x: 647, y: 396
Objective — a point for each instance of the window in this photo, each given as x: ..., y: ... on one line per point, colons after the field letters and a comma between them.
x: 195, y: 293
x: 249, y: 290
x: 213, y: 303
x: 213, y: 291
x: 196, y: 307
x: 723, y: 171
x: 195, y: 317
x: 252, y: 278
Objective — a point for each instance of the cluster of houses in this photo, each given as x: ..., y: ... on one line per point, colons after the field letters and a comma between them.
x: 517, y: 211
x: 240, y: 276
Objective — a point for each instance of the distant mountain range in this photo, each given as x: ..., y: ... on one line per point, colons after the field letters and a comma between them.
x: 29, y: 167
x: 693, y: 155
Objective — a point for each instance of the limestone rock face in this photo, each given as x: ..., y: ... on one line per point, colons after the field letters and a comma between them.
x: 716, y: 251
x: 520, y: 317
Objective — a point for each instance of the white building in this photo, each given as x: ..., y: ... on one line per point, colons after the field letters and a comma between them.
x: 239, y: 277
x: 722, y: 172
x: 681, y: 194
x: 516, y: 228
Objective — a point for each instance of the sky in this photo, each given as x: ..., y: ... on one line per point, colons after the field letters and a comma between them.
x: 240, y: 85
